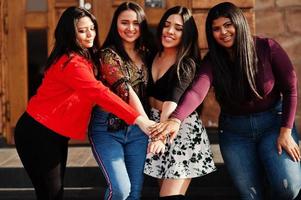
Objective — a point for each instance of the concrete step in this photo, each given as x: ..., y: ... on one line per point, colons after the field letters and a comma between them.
x: 88, y: 183
x: 83, y: 177
x: 84, y: 181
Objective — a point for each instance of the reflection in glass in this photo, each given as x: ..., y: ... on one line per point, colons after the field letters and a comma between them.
x: 37, y: 56
x: 36, y: 5
x: 155, y: 3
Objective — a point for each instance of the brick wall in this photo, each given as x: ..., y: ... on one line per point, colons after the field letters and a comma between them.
x: 281, y: 20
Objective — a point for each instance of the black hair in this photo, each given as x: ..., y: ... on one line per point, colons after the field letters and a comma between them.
x: 234, y: 78
x: 143, y: 44
x: 65, y: 37
x: 188, y: 55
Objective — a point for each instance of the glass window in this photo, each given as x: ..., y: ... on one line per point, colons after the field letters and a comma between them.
x: 155, y: 3
x: 37, y: 56
x: 36, y: 5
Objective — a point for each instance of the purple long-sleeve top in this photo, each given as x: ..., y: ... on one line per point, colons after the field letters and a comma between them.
x: 276, y: 77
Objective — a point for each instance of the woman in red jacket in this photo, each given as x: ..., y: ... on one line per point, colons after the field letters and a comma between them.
x: 62, y: 106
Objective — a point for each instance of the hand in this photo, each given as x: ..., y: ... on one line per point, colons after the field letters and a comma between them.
x: 156, y: 147
x: 170, y: 126
x: 144, y: 123
x: 285, y: 141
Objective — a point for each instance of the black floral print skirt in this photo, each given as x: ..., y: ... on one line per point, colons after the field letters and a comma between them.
x: 188, y: 156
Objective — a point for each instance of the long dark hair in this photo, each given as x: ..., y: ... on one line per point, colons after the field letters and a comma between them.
x: 143, y: 44
x: 188, y: 55
x: 234, y: 79
x: 65, y: 37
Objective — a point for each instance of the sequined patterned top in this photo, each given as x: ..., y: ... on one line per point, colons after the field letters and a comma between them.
x: 119, y: 74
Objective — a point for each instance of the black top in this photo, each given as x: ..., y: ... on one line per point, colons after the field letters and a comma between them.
x: 168, y: 87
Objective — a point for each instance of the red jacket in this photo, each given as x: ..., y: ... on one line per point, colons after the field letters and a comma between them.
x: 64, y: 101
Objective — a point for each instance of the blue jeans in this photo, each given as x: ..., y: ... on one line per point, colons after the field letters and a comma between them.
x: 248, y: 147
x: 120, y: 155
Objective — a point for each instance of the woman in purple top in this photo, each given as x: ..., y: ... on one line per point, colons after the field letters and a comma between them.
x: 256, y: 87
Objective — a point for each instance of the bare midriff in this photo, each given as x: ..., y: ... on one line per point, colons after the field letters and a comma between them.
x: 155, y: 103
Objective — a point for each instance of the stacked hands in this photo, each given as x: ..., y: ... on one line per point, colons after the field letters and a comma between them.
x: 160, y: 133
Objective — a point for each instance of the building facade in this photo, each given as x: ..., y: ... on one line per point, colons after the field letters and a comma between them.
x: 26, y: 38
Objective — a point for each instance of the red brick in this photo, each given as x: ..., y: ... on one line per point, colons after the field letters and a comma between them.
x: 292, y: 45
x: 206, y: 4
x: 200, y: 22
x: 285, y: 3
x: 264, y: 4
x: 293, y: 16
x: 269, y: 23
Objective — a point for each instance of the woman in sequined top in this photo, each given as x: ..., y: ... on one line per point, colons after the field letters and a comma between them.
x: 120, y: 149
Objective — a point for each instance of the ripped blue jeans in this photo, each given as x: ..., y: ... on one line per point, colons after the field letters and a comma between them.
x: 248, y: 146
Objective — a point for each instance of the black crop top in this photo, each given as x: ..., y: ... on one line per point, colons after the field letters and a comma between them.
x: 168, y: 87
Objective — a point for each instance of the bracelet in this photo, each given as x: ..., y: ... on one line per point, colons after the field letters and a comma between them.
x: 174, y: 120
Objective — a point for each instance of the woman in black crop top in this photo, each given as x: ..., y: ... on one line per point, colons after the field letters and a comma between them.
x: 172, y: 71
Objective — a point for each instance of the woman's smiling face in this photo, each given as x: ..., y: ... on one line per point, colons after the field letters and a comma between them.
x: 224, y: 32
x: 172, y: 31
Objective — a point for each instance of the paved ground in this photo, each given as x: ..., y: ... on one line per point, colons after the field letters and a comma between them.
x: 84, y: 181
x: 77, y: 157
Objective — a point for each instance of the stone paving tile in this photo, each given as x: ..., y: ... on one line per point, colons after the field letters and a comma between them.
x: 77, y: 157
x: 217, y: 156
x: 91, y: 161
x: 13, y: 162
x: 9, y: 158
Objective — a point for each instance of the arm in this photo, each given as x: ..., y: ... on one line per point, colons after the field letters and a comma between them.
x: 287, y: 80
x: 192, y: 98
x: 157, y: 145
x: 196, y: 94
x: 285, y: 141
x: 111, y: 72
x: 135, y: 102
x: 79, y: 76
x: 167, y: 108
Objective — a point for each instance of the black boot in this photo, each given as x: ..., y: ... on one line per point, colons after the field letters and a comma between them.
x: 173, y: 197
